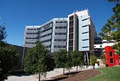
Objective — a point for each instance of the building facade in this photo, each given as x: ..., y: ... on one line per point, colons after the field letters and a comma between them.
x: 81, y: 33
x: 52, y: 34
x: 99, y: 45
x: 111, y: 59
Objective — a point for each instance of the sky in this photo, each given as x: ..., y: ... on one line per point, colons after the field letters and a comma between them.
x: 16, y: 14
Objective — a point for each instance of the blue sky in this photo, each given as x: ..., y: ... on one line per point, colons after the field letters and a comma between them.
x: 17, y: 14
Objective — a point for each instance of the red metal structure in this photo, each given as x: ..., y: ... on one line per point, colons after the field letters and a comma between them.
x: 111, y: 58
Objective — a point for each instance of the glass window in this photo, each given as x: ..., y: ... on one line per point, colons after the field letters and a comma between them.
x: 71, y: 43
x: 70, y: 29
x: 111, y: 54
x: 70, y: 48
x: 111, y: 60
x: 71, y: 23
x: 71, y: 36
x: 71, y: 18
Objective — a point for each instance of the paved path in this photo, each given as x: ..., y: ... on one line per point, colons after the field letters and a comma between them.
x: 50, y: 74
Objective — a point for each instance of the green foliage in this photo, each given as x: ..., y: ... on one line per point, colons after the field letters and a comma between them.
x: 60, y: 58
x: 114, y: 0
x: 8, y: 56
x: 102, y: 57
x: 77, y: 58
x: 37, y: 60
x: 117, y: 47
x: 107, y: 74
x: 68, y: 63
x: 63, y: 60
x: 93, y: 59
x: 8, y: 59
x: 2, y: 33
x: 111, y: 30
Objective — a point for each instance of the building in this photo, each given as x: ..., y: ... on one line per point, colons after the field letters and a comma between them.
x: 21, y: 52
x: 99, y: 45
x: 81, y: 33
x: 52, y: 34
x: 77, y: 32
x: 111, y: 59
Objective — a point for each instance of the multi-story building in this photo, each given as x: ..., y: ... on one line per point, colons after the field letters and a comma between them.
x: 99, y: 45
x: 76, y: 32
x: 52, y: 34
x: 81, y: 33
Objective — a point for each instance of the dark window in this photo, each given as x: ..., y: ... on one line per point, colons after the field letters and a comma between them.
x: 71, y: 23
x: 48, y: 40
x: 60, y: 39
x: 84, y: 39
x: 111, y: 54
x: 85, y: 47
x: 46, y: 35
x: 71, y: 18
x: 71, y: 36
x: 85, y: 32
x: 85, y: 19
x: 46, y: 29
x: 70, y: 42
x: 60, y: 27
x: 70, y: 29
x: 58, y: 46
x: 111, y: 60
x: 85, y: 25
x: 70, y: 48
x: 60, y: 33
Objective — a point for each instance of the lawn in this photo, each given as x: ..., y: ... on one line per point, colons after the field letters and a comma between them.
x: 107, y: 74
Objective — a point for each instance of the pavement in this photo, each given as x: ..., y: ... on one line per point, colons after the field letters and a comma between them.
x: 50, y: 74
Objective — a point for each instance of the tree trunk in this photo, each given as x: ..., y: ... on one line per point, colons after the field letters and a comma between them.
x: 77, y: 68
x: 39, y: 75
x: 63, y: 70
x: 69, y: 72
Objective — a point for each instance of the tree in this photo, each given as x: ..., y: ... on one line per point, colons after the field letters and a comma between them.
x: 8, y: 56
x: 112, y: 28
x: 93, y: 59
x: 102, y: 57
x: 63, y: 60
x: 60, y: 59
x: 68, y: 63
x: 2, y: 33
x: 37, y: 60
x: 77, y: 59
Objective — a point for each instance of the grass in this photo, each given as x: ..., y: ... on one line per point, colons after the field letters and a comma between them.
x: 107, y: 74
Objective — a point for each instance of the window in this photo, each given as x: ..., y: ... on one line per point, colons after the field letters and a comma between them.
x: 71, y: 36
x: 70, y: 48
x: 60, y: 33
x: 59, y: 46
x: 71, y: 23
x: 70, y: 29
x: 70, y: 42
x: 111, y: 54
x: 61, y: 27
x: 71, y: 18
x: 85, y: 25
x: 85, y: 32
x: 84, y: 39
x: 85, y: 47
x: 111, y: 60
x: 60, y: 39
x: 85, y: 19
